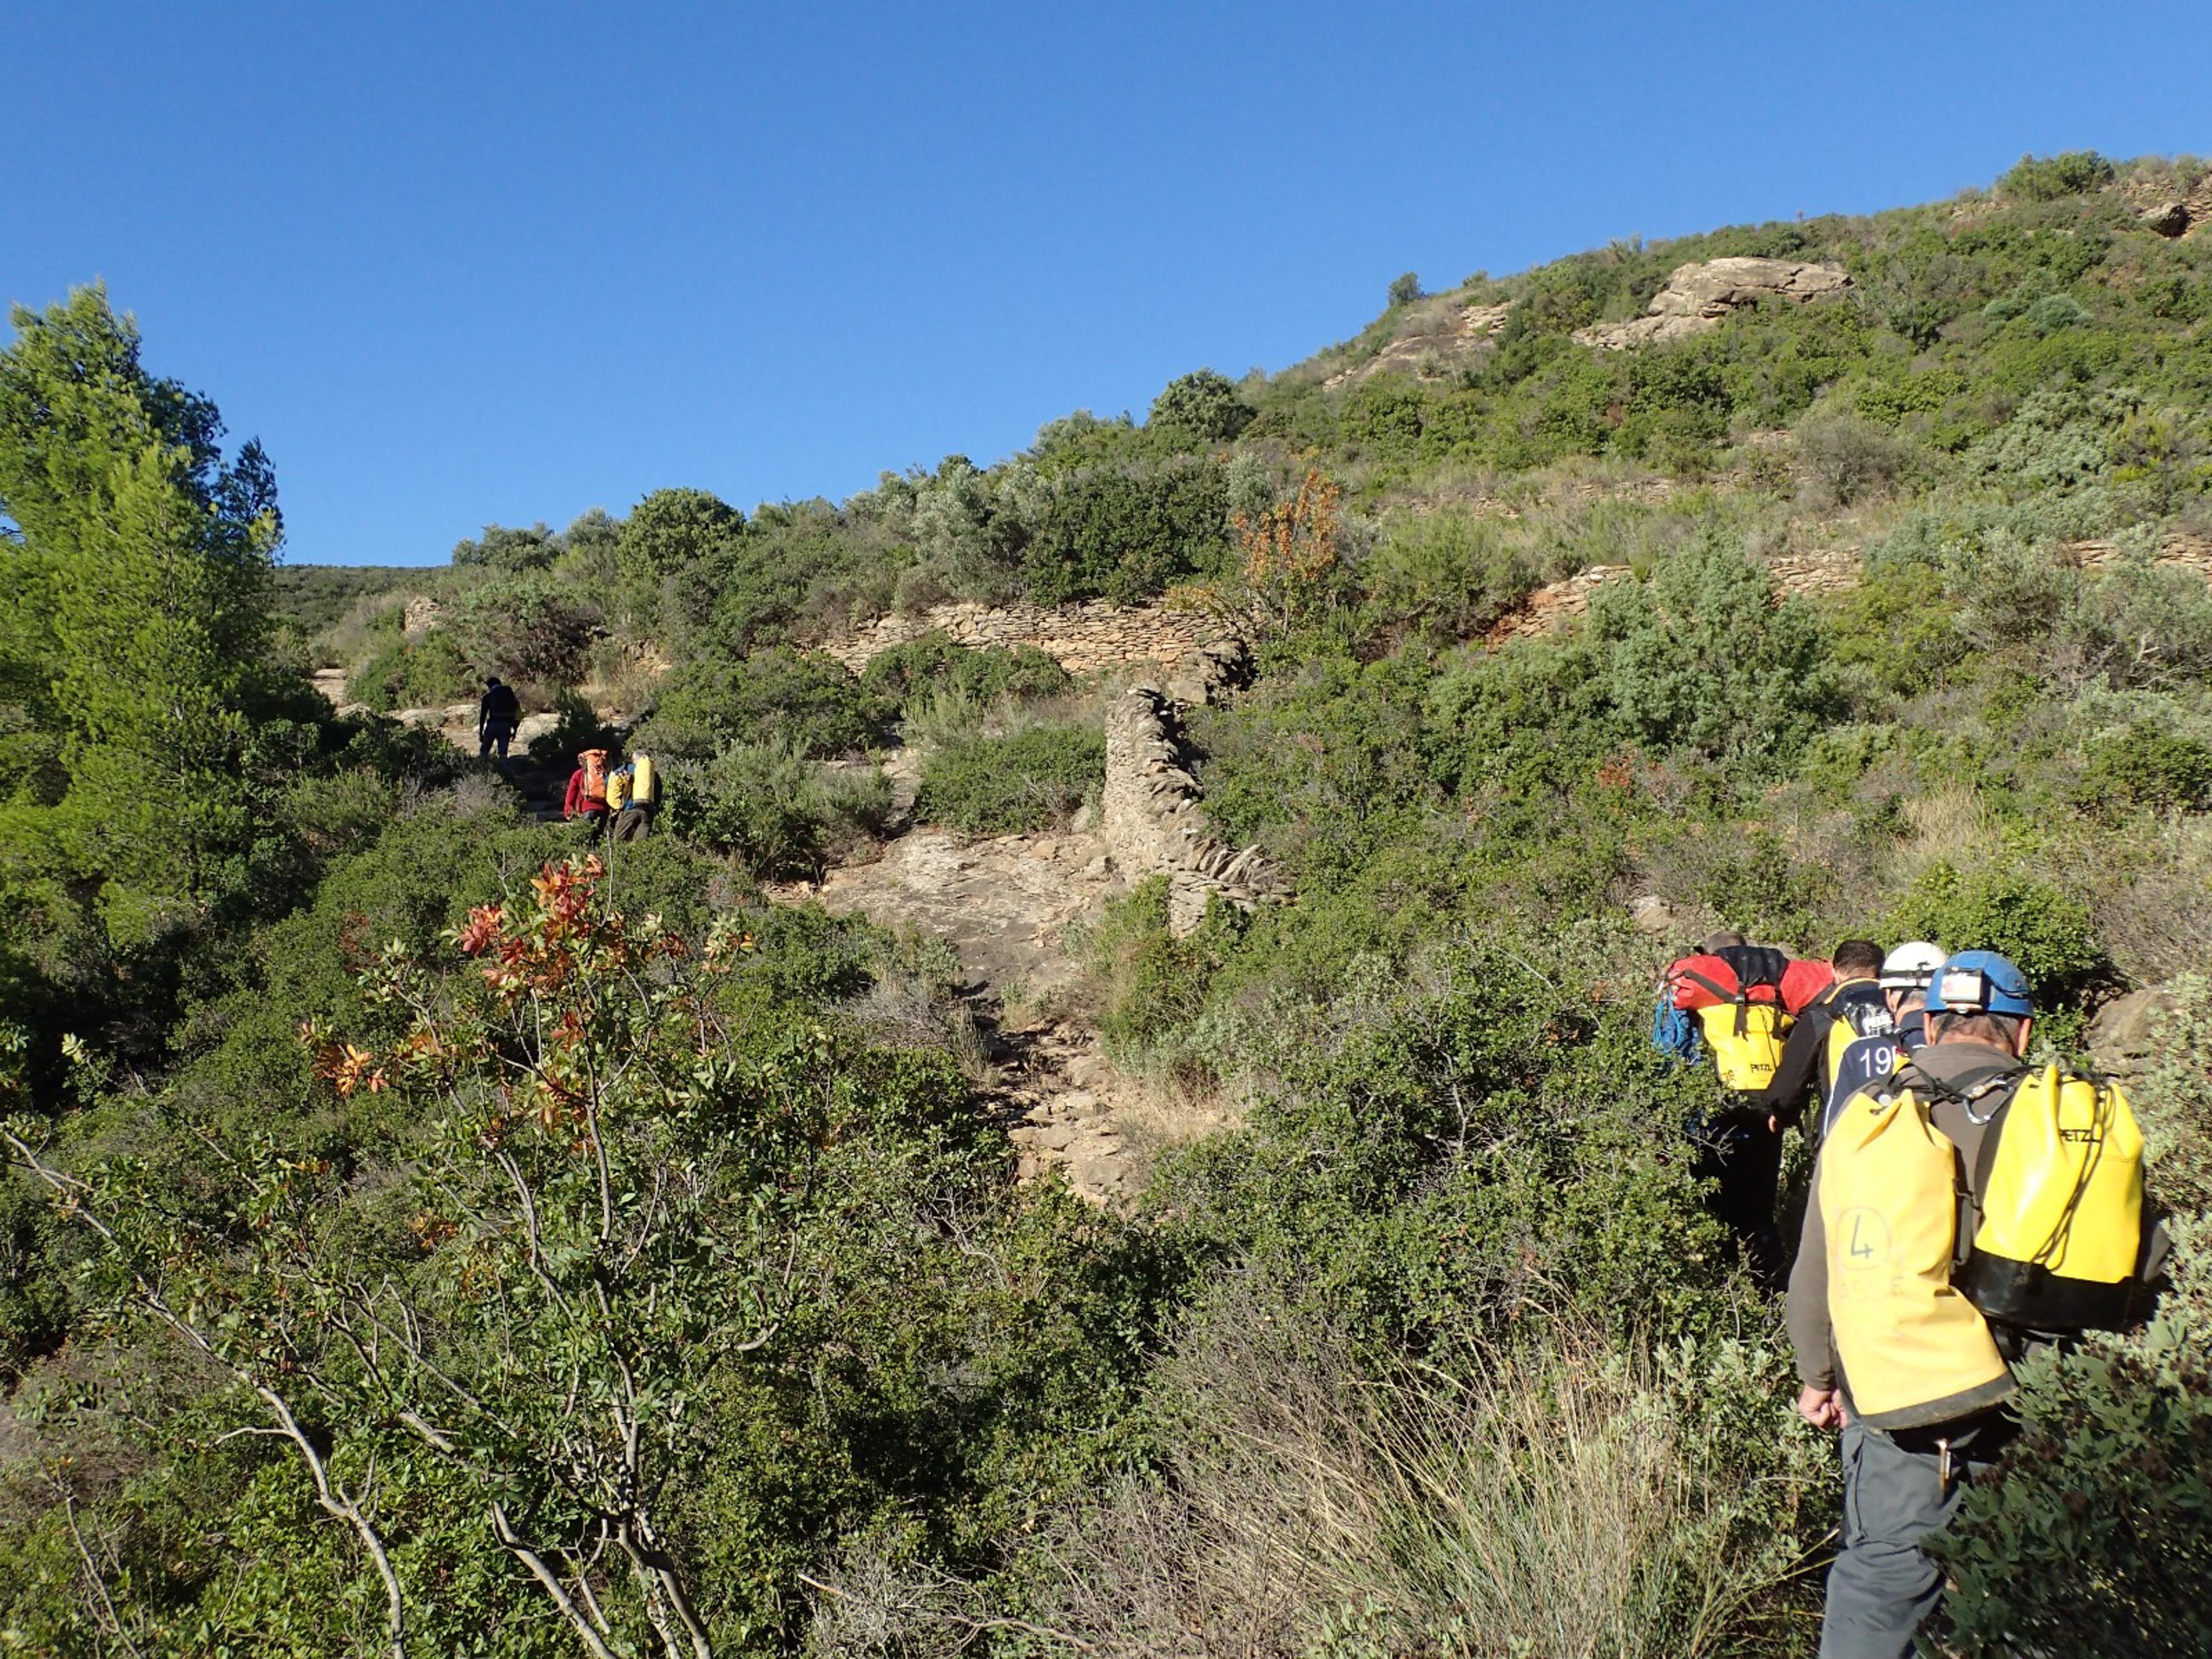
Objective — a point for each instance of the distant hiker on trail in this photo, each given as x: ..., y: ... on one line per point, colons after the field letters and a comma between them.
x: 499, y: 712
x: 1734, y: 1002
x: 1905, y: 974
x: 587, y: 795
x: 1852, y: 1007
x: 634, y: 796
x: 1964, y: 1212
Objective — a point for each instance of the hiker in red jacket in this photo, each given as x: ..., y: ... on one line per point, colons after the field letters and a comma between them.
x: 587, y: 795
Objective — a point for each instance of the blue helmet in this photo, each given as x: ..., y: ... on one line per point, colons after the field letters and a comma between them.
x: 1979, y: 983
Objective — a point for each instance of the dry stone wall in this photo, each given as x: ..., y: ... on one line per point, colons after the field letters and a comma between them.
x: 1082, y: 638
x: 1152, y: 820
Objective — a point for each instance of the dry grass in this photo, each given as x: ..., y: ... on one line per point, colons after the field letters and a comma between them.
x: 1951, y: 824
x: 1548, y: 1506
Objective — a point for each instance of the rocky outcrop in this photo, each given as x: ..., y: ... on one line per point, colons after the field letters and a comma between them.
x: 1698, y: 297
x: 1153, y: 821
x: 2121, y: 1037
x: 1440, y: 337
x: 421, y: 615
x: 2168, y: 219
x: 1081, y: 638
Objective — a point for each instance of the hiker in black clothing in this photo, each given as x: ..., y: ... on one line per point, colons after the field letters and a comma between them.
x: 498, y: 713
x: 1853, y: 1007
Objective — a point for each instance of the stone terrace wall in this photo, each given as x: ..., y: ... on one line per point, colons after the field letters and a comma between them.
x: 1081, y: 638
x: 1150, y: 817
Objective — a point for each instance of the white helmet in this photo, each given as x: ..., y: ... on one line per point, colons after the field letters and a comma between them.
x: 1911, y: 967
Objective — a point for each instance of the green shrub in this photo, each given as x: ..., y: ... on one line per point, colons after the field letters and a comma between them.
x: 1446, y: 575
x: 935, y: 664
x: 2146, y: 766
x: 1126, y: 534
x: 782, y: 814
x: 529, y: 629
x: 805, y: 699
x: 426, y: 673
x: 2049, y: 178
x: 1997, y: 906
x: 1029, y: 778
x: 1204, y: 408
x: 1703, y: 658
x: 1842, y: 459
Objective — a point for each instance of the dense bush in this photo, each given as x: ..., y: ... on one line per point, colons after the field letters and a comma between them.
x: 2046, y: 178
x: 1126, y: 534
x: 1703, y: 657
x: 1203, y: 408
x: 2004, y: 908
x: 426, y: 673
x: 934, y: 666
x: 782, y: 813
x: 1030, y: 778
x: 805, y: 699
x: 530, y: 629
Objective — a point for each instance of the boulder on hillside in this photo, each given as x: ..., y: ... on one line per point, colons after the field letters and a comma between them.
x: 1698, y: 296
x: 2120, y: 1037
x: 2168, y: 219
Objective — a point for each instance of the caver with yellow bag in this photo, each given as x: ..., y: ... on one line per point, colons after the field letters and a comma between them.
x: 1731, y: 1004
x: 1961, y: 1209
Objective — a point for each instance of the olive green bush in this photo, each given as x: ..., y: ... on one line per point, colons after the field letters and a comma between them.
x: 778, y: 811
x: 805, y: 699
x: 1029, y: 778
x: 909, y: 675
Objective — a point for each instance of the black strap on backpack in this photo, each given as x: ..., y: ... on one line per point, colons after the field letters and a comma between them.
x: 1753, y: 965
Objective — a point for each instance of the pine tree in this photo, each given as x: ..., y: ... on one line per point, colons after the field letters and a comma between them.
x: 134, y: 619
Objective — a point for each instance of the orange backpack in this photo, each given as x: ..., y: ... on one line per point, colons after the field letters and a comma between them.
x: 595, y: 763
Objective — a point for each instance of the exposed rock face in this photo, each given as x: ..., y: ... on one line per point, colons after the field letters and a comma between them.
x: 1152, y: 820
x: 1440, y: 337
x: 421, y: 616
x: 1698, y: 296
x: 2167, y: 218
x: 1551, y: 605
x: 2120, y: 1037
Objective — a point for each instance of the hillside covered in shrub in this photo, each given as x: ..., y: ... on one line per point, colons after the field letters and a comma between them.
x: 422, y: 1239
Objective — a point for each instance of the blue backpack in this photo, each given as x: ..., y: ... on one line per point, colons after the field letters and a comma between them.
x: 1675, y: 1030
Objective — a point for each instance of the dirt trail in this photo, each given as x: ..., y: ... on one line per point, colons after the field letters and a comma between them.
x: 1005, y: 904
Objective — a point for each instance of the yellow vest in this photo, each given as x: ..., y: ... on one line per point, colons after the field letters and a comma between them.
x: 1915, y: 1350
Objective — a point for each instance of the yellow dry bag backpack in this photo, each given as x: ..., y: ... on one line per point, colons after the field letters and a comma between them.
x: 618, y: 787
x: 1915, y: 1350
x: 2062, y: 1192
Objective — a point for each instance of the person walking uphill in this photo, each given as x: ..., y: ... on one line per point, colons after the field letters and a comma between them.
x: 1734, y: 1002
x: 499, y: 713
x: 1963, y: 1211
x: 586, y: 798
x: 1851, y: 1008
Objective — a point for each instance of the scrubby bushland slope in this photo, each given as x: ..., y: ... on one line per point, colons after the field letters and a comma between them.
x: 508, y: 1267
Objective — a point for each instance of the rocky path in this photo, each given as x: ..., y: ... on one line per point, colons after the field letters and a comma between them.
x: 1005, y: 904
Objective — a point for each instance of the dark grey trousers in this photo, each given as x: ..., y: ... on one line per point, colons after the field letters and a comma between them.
x: 1881, y: 1587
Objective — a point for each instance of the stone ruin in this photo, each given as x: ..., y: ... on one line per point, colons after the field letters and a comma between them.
x: 1153, y: 821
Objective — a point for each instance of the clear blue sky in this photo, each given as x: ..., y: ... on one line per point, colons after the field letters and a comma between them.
x: 456, y: 264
